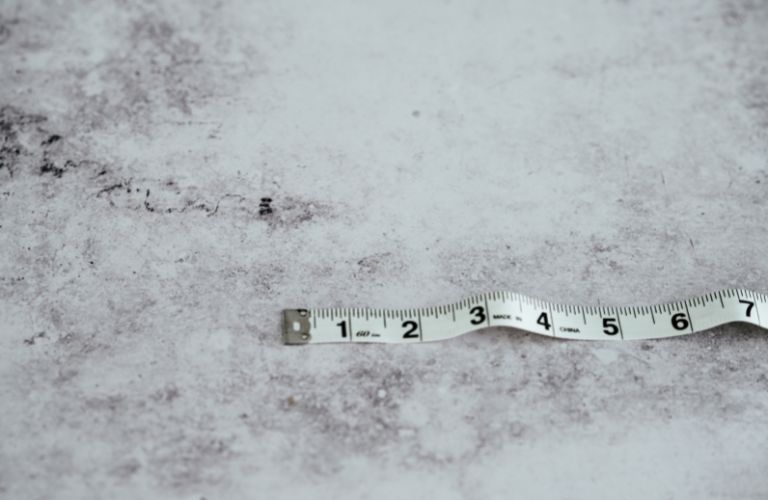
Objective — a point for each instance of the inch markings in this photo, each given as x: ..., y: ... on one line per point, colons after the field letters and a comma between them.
x: 504, y: 309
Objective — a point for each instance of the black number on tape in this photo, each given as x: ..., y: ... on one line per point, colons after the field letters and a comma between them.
x: 680, y: 321
x: 543, y: 320
x: 411, y: 327
x: 610, y: 327
x: 749, y: 307
x: 479, y: 314
x: 343, y: 326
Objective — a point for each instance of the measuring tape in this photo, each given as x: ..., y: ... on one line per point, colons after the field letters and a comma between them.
x: 402, y: 326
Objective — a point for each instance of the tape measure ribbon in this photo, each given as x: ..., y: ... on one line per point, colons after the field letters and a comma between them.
x: 316, y: 326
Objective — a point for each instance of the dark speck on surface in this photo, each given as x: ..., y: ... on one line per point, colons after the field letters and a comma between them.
x: 51, y: 139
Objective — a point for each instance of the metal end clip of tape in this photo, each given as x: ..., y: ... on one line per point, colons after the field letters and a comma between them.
x: 296, y: 327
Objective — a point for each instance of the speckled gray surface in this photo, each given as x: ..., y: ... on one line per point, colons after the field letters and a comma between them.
x: 414, y: 152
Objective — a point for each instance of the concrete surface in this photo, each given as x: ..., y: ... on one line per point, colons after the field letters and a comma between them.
x: 414, y: 153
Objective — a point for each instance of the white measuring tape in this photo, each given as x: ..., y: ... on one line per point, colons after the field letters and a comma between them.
x: 319, y: 326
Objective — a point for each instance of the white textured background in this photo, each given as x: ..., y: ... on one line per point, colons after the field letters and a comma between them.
x: 415, y: 152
